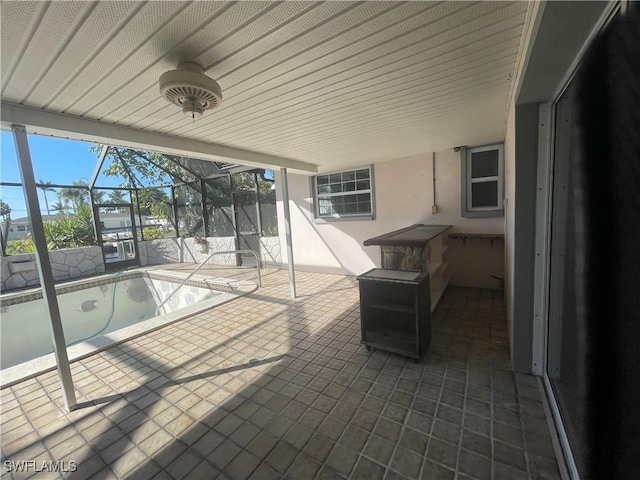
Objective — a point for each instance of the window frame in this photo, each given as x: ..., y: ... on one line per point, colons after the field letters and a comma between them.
x: 315, y: 195
x: 467, y: 210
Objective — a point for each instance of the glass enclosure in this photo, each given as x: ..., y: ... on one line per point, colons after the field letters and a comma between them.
x: 127, y: 196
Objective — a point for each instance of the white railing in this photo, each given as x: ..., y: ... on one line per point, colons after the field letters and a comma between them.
x: 201, y: 264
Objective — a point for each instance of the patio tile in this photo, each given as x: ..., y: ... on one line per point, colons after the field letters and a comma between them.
x: 328, y: 408
x: 281, y: 456
x: 342, y: 459
x: 304, y: 466
x: 406, y: 462
x: 319, y: 446
x: 224, y: 454
x: 242, y: 466
x: 379, y: 449
x: 474, y: 465
x: 433, y: 471
x: 442, y: 452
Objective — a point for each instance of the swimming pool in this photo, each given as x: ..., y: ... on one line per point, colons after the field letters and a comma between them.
x: 100, y: 312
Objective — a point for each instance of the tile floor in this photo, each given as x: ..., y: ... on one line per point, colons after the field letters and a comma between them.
x: 269, y: 387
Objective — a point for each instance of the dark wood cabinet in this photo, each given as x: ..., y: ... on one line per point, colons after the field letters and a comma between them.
x: 395, y: 311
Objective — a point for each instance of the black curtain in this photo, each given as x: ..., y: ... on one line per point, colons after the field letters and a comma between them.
x: 607, y: 200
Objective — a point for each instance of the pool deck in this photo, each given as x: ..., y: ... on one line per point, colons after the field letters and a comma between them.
x: 272, y: 387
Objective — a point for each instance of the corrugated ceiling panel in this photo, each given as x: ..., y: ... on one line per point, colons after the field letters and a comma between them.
x: 17, y: 20
x: 94, y: 33
x: 368, y: 62
x: 401, y: 110
x: 465, y: 40
x: 312, y: 20
x: 130, y: 38
x: 336, y: 56
x: 274, y: 18
x: 276, y: 65
x: 387, y: 80
x: 325, y: 20
x: 380, y: 98
x: 255, y: 50
x: 160, y: 50
x: 56, y: 27
x: 208, y: 35
x: 331, y: 82
x: 468, y: 125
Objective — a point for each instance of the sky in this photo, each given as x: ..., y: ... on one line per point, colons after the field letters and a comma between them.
x: 56, y: 160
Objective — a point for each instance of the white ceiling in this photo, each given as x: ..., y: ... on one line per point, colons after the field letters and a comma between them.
x: 326, y: 83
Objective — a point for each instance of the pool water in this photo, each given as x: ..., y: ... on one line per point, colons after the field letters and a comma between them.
x: 98, y: 309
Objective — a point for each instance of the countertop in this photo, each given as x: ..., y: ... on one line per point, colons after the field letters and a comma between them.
x: 413, y: 236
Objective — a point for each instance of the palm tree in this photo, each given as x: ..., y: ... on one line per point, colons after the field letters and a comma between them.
x: 98, y: 196
x: 59, y: 207
x: 75, y: 196
x: 117, y: 196
x: 46, y: 187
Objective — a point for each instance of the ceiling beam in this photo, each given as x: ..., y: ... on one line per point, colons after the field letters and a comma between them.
x: 62, y: 125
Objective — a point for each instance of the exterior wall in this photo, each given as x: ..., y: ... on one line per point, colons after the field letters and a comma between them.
x: 19, y: 271
x: 403, y: 196
x: 14, y: 233
x: 184, y: 250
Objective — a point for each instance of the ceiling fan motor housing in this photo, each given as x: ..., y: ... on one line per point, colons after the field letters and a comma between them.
x: 189, y: 88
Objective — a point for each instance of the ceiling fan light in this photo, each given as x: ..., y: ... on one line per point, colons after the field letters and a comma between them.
x: 192, y: 107
x: 189, y: 88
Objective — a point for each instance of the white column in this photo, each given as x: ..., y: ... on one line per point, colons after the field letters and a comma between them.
x: 287, y: 231
x: 44, y: 264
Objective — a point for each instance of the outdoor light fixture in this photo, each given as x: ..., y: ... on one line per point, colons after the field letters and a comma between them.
x: 188, y: 87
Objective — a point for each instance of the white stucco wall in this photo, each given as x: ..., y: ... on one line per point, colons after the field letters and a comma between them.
x: 175, y: 250
x: 404, y: 195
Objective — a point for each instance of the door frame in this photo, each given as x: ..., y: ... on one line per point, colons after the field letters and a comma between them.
x: 258, y: 233
x: 111, y: 266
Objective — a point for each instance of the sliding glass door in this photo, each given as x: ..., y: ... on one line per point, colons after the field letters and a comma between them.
x: 566, y: 342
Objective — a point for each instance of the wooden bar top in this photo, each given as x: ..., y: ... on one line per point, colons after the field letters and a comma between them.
x: 413, y: 236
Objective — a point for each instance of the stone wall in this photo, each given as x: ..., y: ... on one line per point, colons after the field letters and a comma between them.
x: 185, y: 250
x: 19, y: 271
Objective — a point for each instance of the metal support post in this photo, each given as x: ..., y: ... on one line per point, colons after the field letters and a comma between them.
x: 44, y: 264
x: 287, y: 230
x: 203, y: 206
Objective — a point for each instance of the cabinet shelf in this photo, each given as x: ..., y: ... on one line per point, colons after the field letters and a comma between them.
x: 395, y: 313
x: 391, y: 339
x: 392, y: 307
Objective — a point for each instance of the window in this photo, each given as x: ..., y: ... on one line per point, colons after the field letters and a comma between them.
x: 344, y: 195
x: 482, y: 181
x: 24, y: 228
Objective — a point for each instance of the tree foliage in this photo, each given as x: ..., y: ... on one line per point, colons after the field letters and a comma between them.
x: 67, y: 232
x: 46, y: 187
x: 5, y: 212
x: 139, y: 169
x: 72, y: 231
x: 73, y: 197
